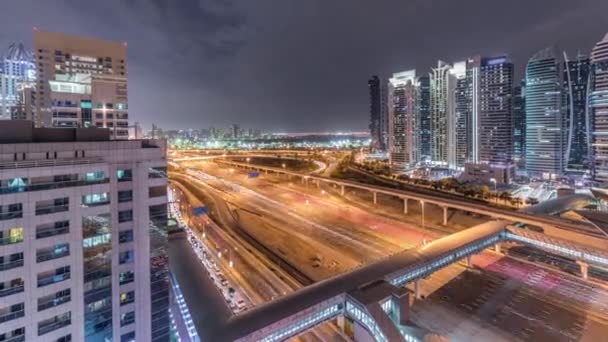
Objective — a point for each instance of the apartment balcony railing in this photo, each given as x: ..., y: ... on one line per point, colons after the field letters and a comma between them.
x: 48, y: 327
x: 48, y: 280
x: 11, y: 290
x: 51, y: 186
x: 52, y: 209
x: 11, y: 264
x: 11, y: 316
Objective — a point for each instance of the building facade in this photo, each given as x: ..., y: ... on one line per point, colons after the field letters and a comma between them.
x: 545, y: 136
x: 495, y: 119
x: 17, y: 74
x: 82, y: 252
x: 423, y: 103
x: 598, y: 106
x: 378, y: 108
x: 404, y: 148
x: 82, y: 82
x: 442, y: 92
x: 519, y: 124
x: 575, y: 78
x: 458, y: 116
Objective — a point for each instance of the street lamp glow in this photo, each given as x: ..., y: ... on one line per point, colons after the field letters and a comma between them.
x: 322, y: 192
x: 219, y: 254
x: 230, y: 264
x: 307, y: 202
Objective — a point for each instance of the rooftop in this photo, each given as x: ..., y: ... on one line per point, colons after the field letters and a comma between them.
x: 23, y: 131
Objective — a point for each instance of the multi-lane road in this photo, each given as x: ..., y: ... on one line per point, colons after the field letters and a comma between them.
x: 272, y: 225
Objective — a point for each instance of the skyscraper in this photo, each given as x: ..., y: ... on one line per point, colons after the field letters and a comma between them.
x: 576, y: 75
x: 458, y: 116
x: 598, y: 103
x: 82, y: 220
x: 495, y: 121
x: 82, y: 82
x: 423, y: 104
x: 403, y: 121
x: 545, y: 148
x: 378, y: 125
x: 442, y: 89
x: 17, y: 71
x: 519, y: 123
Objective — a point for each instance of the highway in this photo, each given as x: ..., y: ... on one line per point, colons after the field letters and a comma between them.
x: 323, y: 234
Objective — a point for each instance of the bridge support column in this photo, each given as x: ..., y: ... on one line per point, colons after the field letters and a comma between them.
x: 318, y: 183
x: 266, y: 171
x: 342, y: 190
x: 584, y: 269
x: 445, y: 216
x: 417, y: 293
x: 469, y: 261
x: 405, y: 206
x: 422, y: 212
x: 497, y: 248
x: 341, y: 323
x: 375, y: 198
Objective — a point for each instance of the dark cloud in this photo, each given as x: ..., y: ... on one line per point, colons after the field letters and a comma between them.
x: 297, y: 65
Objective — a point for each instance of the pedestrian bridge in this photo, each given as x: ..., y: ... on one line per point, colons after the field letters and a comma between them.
x: 372, y: 298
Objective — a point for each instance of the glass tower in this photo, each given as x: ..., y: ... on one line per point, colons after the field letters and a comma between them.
x: 598, y: 105
x: 545, y: 148
x: 576, y: 83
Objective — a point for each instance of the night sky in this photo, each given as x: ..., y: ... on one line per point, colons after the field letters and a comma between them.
x: 297, y: 66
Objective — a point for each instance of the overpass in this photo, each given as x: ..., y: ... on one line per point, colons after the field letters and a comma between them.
x: 372, y: 297
x: 551, y: 225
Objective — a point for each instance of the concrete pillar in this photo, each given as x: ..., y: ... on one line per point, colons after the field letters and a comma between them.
x: 417, y: 289
x: 584, y: 269
x: 445, y: 216
x: 497, y: 248
x: 341, y: 323
x: 375, y: 198
x: 469, y: 261
x: 342, y: 190
x: 405, y: 206
x: 318, y: 183
x: 422, y: 212
x: 266, y: 171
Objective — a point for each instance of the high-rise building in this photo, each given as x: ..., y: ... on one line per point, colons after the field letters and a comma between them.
x: 17, y: 73
x: 83, y: 252
x: 495, y: 121
x: 598, y: 106
x: 378, y: 125
x: 442, y: 91
x: 545, y: 136
x: 576, y: 75
x: 403, y: 121
x: 82, y: 82
x: 236, y: 131
x: 519, y: 124
x: 423, y: 103
x: 458, y: 116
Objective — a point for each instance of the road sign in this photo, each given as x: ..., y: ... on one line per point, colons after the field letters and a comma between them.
x: 200, y: 210
x: 253, y: 174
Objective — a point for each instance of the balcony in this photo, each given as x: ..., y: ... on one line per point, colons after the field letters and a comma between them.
x: 53, y: 324
x: 55, y: 252
x: 52, y: 209
x: 53, y: 279
x: 52, y: 230
x: 12, y: 290
x: 11, y: 215
x: 11, y: 264
x: 9, y: 316
x: 13, y: 238
x: 53, y: 302
x: 27, y: 164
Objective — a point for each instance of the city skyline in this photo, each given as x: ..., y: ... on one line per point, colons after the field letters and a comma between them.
x: 239, y: 47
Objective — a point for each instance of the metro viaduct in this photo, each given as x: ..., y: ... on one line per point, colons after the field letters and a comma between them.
x: 372, y: 297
